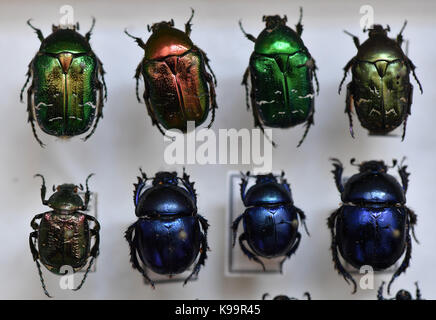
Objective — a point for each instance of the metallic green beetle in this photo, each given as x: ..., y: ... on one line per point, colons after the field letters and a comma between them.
x: 63, y: 235
x: 380, y: 90
x: 66, y: 93
x: 282, y: 72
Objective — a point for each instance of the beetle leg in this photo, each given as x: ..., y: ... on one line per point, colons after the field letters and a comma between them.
x: 138, y: 40
x: 400, y: 34
x: 32, y: 238
x: 243, y: 184
x: 234, y: 227
x: 91, y: 262
x: 284, y: 182
x: 95, y: 232
x: 28, y: 75
x: 309, y: 123
x: 43, y: 188
x: 133, y: 258
x: 355, y: 39
x: 154, y: 121
x: 299, y: 26
x: 404, y: 264
x: 413, y: 67
x: 291, y: 252
x: 418, y: 292
x: 88, y: 34
x: 404, y: 175
x: 412, y: 220
x: 101, y: 86
x: 313, y: 69
x: 138, y: 187
x: 203, y: 250
x: 337, y: 173
x: 346, y: 68
x: 212, y: 99
x: 137, y: 77
x: 265, y: 295
x: 245, y: 84
x: 33, y: 223
x: 348, y: 106
x: 188, y: 24
x: 302, y: 217
x: 87, y: 194
x: 247, y: 252
x: 189, y: 185
x: 247, y: 35
x: 258, y: 123
x: 31, y: 118
x: 206, y: 61
x: 307, y: 295
x: 380, y: 292
x: 38, y: 31
x: 334, y: 247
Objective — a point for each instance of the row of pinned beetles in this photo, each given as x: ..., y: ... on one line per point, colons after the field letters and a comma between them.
x: 373, y: 226
x: 67, y: 88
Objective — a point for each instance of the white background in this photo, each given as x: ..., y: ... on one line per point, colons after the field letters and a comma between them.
x: 126, y: 140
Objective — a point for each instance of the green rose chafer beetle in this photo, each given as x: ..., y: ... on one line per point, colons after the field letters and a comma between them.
x: 63, y: 236
x: 65, y: 96
x: 380, y: 89
x: 282, y: 72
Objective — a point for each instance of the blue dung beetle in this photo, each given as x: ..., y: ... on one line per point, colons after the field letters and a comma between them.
x: 372, y: 227
x: 401, y: 295
x: 167, y: 235
x: 270, y: 219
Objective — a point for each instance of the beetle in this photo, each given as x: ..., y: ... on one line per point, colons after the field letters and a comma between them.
x: 284, y: 297
x: 178, y: 87
x: 65, y: 96
x: 63, y: 235
x: 401, y: 295
x: 169, y: 233
x: 270, y: 219
x: 281, y: 71
x: 380, y: 89
x: 372, y: 226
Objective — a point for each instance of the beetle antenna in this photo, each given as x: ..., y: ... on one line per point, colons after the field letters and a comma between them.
x: 88, y: 34
x: 38, y: 31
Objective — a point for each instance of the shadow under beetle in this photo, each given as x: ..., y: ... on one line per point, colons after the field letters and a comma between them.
x: 380, y: 89
x: 283, y: 297
x: 372, y: 226
x: 270, y: 219
x: 282, y: 72
x: 178, y: 87
x: 167, y: 235
x: 401, y: 295
x: 63, y: 235
x: 66, y: 93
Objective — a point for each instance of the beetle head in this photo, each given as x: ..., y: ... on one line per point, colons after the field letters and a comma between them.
x: 163, y: 24
x: 66, y: 198
x: 265, y: 178
x: 165, y: 178
x: 274, y: 21
x: 373, y: 165
x: 403, y: 295
x: 378, y: 30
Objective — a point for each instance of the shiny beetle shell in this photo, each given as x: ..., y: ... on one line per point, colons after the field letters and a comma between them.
x: 66, y: 95
x: 169, y: 234
x: 270, y: 220
x: 380, y: 89
x: 178, y: 87
x: 281, y: 71
x: 373, y: 225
